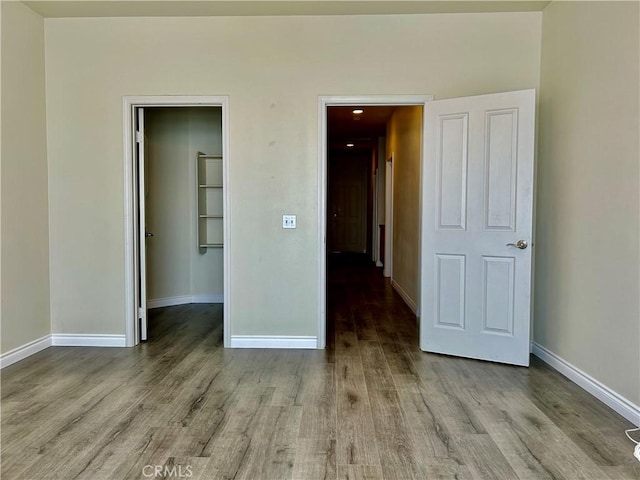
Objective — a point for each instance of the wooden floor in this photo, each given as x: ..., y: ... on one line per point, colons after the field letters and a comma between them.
x: 370, y: 406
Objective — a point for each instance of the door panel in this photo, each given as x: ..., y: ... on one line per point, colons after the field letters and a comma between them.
x: 452, y: 172
x: 501, y: 168
x: 450, y: 285
x: 142, y: 237
x: 478, y: 202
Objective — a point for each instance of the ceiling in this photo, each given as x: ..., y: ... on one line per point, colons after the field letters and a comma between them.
x: 190, y: 8
x: 363, y: 130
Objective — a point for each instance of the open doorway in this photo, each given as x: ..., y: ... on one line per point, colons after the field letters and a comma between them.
x: 474, y: 225
x: 177, y: 211
x: 363, y: 138
x: 183, y: 190
x: 356, y: 146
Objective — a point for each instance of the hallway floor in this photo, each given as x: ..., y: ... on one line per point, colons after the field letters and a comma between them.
x: 370, y: 406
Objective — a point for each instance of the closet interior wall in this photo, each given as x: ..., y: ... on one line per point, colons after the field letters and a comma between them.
x: 178, y: 271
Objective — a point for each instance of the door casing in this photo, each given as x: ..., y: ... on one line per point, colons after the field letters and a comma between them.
x: 130, y: 103
x: 344, y: 101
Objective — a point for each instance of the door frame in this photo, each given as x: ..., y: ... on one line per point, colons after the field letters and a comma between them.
x: 344, y: 101
x: 387, y: 266
x: 129, y: 105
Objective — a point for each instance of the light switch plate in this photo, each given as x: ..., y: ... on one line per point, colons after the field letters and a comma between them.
x: 288, y: 221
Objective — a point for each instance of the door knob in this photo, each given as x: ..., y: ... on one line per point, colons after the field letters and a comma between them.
x: 148, y: 234
x: 521, y: 244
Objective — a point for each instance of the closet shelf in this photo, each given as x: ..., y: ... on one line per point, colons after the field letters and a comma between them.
x: 210, y: 185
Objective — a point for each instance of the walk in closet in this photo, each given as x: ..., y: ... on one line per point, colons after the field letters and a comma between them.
x: 184, y: 205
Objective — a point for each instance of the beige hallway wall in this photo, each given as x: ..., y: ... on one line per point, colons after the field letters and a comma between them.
x: 273, y: 69
x: 587, y: 242
x: 25, y: 218
x: 404, y: 143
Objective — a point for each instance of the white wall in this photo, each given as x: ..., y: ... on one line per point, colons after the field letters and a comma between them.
x: 25, y: 221
x: 207, y: 269
x: 176, y: 267
x: 273, y: 69
x: 587, y: 260
x: 404, y: 142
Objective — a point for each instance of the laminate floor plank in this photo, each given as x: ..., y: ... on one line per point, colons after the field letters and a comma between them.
x: 31, y: 445
x: 483, y: 456
x: 81, y: 435
x: 104, y: 458
x: 227, y: 455
x: 360, y: 472
x: 519, y: 455
x: 271, y: 453
x: 315, y: 459
x: 317, y: 396
x: 376, y: 369
x: 356, y: 440
x: 369, y: 406
x: 429, y: 434
x: 553, y: 448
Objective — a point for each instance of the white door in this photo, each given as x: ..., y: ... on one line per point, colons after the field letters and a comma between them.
x: 477, y: 224
x: 142, y: 234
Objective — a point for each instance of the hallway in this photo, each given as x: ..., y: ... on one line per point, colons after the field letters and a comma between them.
x: 370, y: 406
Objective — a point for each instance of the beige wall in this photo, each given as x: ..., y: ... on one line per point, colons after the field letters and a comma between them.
x: 586, y: 292
x: 25, y: 222
x: 404, y: 143
x: 176, y: 267
x: 273, y: 69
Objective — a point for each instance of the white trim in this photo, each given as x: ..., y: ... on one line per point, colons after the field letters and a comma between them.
x: 183, y: 300
x: 388, y: 217
x: 405, y: 296
x: 129, y: 104
x: 168, y: 301
x: 207, y: 298
x: 322, y: 221
x: 87, y: 340
x: 379, y: 263
x: 273, y: 341
x: 24, y: 351
x: 325, y: 101
x: 617, y: 402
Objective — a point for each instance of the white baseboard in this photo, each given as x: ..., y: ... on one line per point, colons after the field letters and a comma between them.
x: 379, y: 263
x: 617, y: 402
x: 87, y: 340
x: 183, y: 300
x: 405, y: 296
x: 207, y: 298
x: 24, y: 351
x: 168, y: 301
x: 273, y: 341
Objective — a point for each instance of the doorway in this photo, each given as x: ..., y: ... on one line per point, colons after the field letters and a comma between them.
x: 474, y: 225
x: 198, y: 127
x: 346, y: 164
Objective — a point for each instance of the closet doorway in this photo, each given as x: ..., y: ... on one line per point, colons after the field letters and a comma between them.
x: 176, y: 157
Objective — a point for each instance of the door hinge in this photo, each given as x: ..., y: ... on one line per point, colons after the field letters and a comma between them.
x: 140, y: 313
x: 138, y: 136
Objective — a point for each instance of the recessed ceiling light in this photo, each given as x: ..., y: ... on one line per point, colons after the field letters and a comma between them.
x: 358, y: 111
x: 350, y: 145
